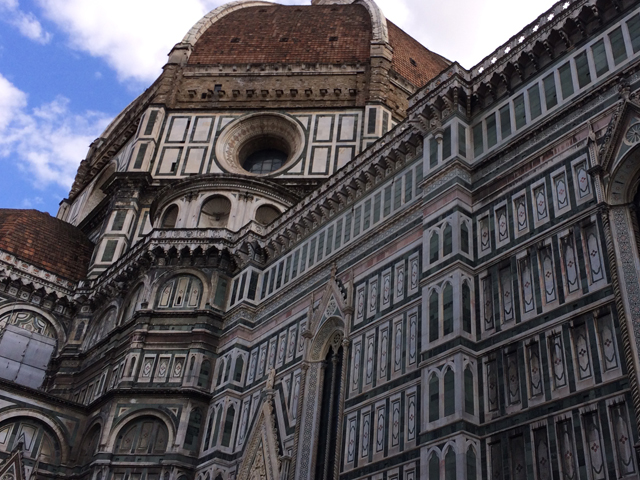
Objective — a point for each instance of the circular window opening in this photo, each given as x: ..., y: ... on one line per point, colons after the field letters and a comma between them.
x: 260, y: 144
x: 265, y: 214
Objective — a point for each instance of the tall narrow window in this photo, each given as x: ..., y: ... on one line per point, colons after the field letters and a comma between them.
x: 472, y: 468
x: 237, y: 371
x: 434, y: 398
x: 469, y: 394
x: 447, y: 240
x: 330, y: 401
x: 464, y: 237
x: 447, y: 309
x: 466, y: 307
x: 433, y: 152
x: 450, y: 465
x: 434, y: 247
x: 617, y: 46
x: 550, y: 96
x: 434, y: 466
x: 582, y: 66
x: 634, y: 32
x: 109, y: 250
x: 535, y: 110
x: 228, y: 426
x: 492, y: 132
x: 205, y: 371
x: 170, y: 217
x: 446, y: 143
x: 449, y: 393
x: 478, y: 142
x: 433, y: 316
x: 462, y: 140
x: 520, y: 112
x: 193, y: 430
x: 505, y: 121
x: 566, y: 80
x: 600, y: 58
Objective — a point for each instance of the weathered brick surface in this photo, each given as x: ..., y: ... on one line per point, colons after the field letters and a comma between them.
x: 46, y: 242
x: 405, y: 48
x: 309, y: 29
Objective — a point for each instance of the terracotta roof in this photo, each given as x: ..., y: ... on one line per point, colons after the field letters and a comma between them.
x: 327, y: 34
x: 46, y: 242
x: 426, y: 64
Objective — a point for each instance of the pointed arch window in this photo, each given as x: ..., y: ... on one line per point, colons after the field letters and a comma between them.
x: 472, y: 472
x: 193, y: 430
x: 466, y: 307
x: 464, y: 237
x: 205, y: 372
x: 447, y: 240
x: 237, y: 371
x: 434, y: 247
x: 469, y: 394
x: 449, y: 393
x: 228, y: 426
x: 434, y: 466
x: 180, y: 293
x: 434, y: 398
x: 447, y: 309
x: 450, y: 465
x: 433, y: 316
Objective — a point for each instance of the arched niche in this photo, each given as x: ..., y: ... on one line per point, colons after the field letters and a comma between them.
x: 40, y: 441
x: 156, y: 422
x: 623, y: 182
x: 331, y: 333
x: 266, y: 214
x: 28, y: 341
x: 102, y: 327
x: 97, y: 195
x: 89, y: 445
x: 180, y: 292
x: 170, y: 217
x: 215, y: 212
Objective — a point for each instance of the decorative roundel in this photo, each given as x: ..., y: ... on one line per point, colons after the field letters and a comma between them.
x: 260, y: 144
x: 633, y: 134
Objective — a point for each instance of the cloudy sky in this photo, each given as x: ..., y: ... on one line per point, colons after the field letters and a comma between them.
x: 67, y: 67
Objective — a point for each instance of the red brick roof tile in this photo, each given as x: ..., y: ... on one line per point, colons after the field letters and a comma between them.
x: 406, y: 48
x: 326, y: 34
x: 46, y: 242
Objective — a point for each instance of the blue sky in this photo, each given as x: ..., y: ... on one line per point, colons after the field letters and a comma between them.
x: 67, y: 67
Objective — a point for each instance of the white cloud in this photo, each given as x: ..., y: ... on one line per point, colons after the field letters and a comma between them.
x: 26, y: 23
x: 46, y: 142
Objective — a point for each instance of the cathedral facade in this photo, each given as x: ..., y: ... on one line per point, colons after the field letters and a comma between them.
x: 315, y: 249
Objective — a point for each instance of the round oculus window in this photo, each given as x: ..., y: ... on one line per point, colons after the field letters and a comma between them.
x: 260, y: 144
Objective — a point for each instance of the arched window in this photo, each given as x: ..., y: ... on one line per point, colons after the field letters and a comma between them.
x: 472, y: 473
x: 228, y: 426
x: 447, y: 240
x: 220, y: 373
x: 464, y: 237
x: 205, y: 371
x: 90, y: 445
x: 466, y: 307
x: 132, y: 305
x: 433, y: 316
x: 102, y: 327
x: 450, y: 465
x: 434, y: 398
x: 434, y: 466
x: 208, y: 433
x: 184, y: 292
x: 39, y: 441
x: 228, y: 370
x: 27, y: 342
x: 449, y: 393
x: 193, y: 430
x: 170, y: 217
x: 447, y: 309
x: 469, y: 393
x: 215, y: 212
x: 145, y: 435
x: 237, y: 371
x: 434, y: 247
x: 265, y: 214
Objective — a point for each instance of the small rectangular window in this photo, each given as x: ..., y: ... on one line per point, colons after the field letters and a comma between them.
x: 109, y: 250
x: 462, y: 140
x: 118, y: 220
x: 433, y: 152
x: 387, y: 200
x: 633, y: 25
x: 478, y: 142
x: 505, y: 121
x: 367, y: 215
x: 550, y: 96
x: 582, y: 67
x: 142, y: 151
x: 151, y: 123
x: 600, y: 58
x: 566, y: 80
x: 446, y: 143
x: 519, y: 111
x: 408, y: 186
x: 376, y: 207
x: 492, y: 132
x: 535, y: 109
x: 617, y: 46
x: 371, y: 128
x: 419, y: 176
x: 356, y: 221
